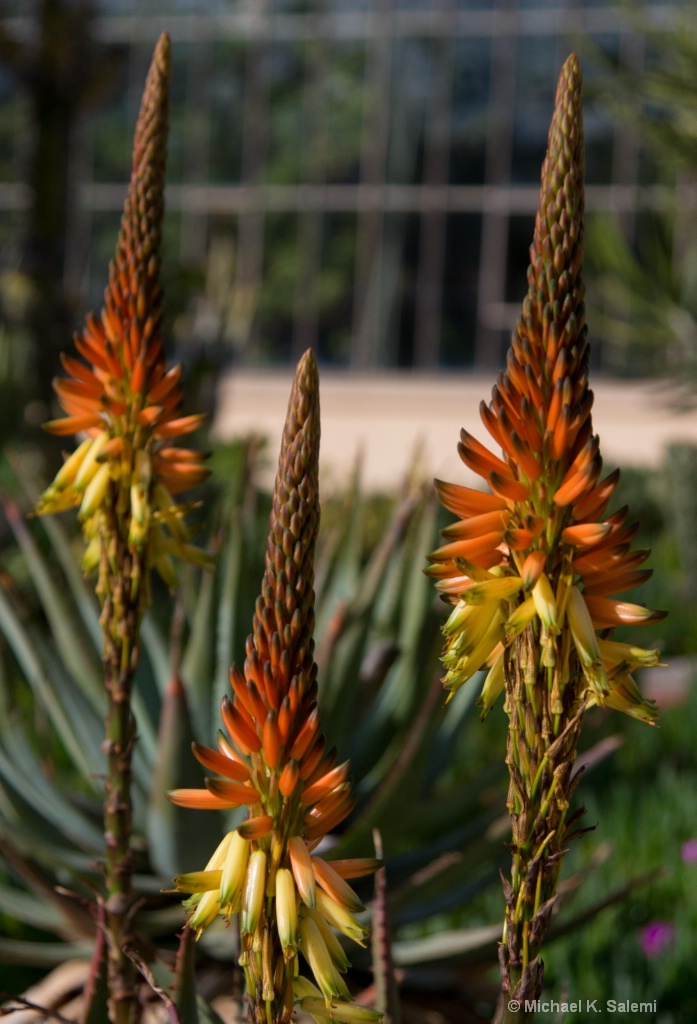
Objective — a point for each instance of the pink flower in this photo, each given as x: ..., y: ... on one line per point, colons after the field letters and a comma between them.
x: 689, y: 851
x: 656, y: 937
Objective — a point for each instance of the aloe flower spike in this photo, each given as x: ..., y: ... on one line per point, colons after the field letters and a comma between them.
x: 275, y: 763
x: 543, y: 526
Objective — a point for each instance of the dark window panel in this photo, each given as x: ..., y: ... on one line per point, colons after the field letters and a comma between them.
x: 470, y: 104
x: 226, y: 91
x: 461, y: 280
x: 335, y: 287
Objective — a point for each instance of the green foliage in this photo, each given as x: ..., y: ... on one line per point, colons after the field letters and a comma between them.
x: 646, y: 806
x: 378, y: 639
x: 431, y: 782
x: 643, y: 283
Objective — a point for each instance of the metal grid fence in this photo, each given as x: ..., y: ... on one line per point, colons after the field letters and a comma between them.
x: 355, y: 175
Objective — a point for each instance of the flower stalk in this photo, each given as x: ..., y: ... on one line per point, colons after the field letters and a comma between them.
x: 123, y: 477
x: 531, y: 565
x: 273, y: 760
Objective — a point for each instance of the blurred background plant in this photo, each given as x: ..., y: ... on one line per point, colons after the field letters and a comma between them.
x: 476, y: 104
x: 432, y: 783
x: 378, y: 641
x: 645, y: 295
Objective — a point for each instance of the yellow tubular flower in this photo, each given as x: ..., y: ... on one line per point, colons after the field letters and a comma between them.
x: 253, y: 895
x: 340, y: 1013
x: 537, y: 556
x: 119, y: 391
x: 234, y: 872
x: 286, y: 911
x: 315, y: 951
x: 546, y: 603
x: 544, y: 521
x: 272, y: 759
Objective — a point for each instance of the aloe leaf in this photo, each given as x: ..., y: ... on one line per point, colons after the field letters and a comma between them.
x: 24, y: 648
x: 198, y: 660
x: 433, y: 811
x: 339, y: 555
x: 6, y: 700
x: 384, y: 802
x: 445, y: 945
x: 241, y: 567
x: 146, y: 748
x: 59, y: 909
x: 86, y: 724
x: 157, y: 649
x: 43, y: 844
x: 175, y: 845
x: 414, y: 623
x: 62, y: 547
x: 184, y: 986
x: 18, y: 953
x: 386, y: 995
x: 96, y: 991
x: 228, y: 624
x: 21, y: 770
x: 160, y: 977
x: 30, y: 909
x: 340, y: 695
x: 579, y: 920
x: 82, y: 593
x: 207, y: 1015
x: 409, y: 616
x: 158, y: 980
x: 73, y: 675
x: 450, y: 728
x: 162, y: 922
x: 76, y: 650
x: 456, y: 888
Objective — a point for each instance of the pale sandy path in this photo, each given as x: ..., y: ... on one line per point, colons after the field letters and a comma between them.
x: 390, y: 416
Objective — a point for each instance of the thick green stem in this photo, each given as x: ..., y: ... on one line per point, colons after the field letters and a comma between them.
x: 508, y: 1014
x: 540, y: 759
x: 121, y: 616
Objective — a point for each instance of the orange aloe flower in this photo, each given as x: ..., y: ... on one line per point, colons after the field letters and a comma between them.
x: 532, y: 564
x: 119, y: 393
x: 271, y: 758
x: 124, y: 477
x: 538, y: 546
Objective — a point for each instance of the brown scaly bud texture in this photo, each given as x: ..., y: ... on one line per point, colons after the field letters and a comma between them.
x: 531, y: 564
x: 123, y: 477
x: 272, y: 759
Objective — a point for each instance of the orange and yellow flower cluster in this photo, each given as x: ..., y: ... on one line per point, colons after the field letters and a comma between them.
x: 539, y: 547
x: 120, y: 393
x: 272, y: 759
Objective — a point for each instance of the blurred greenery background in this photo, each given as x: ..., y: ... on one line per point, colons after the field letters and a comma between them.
x: 360, y: 177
